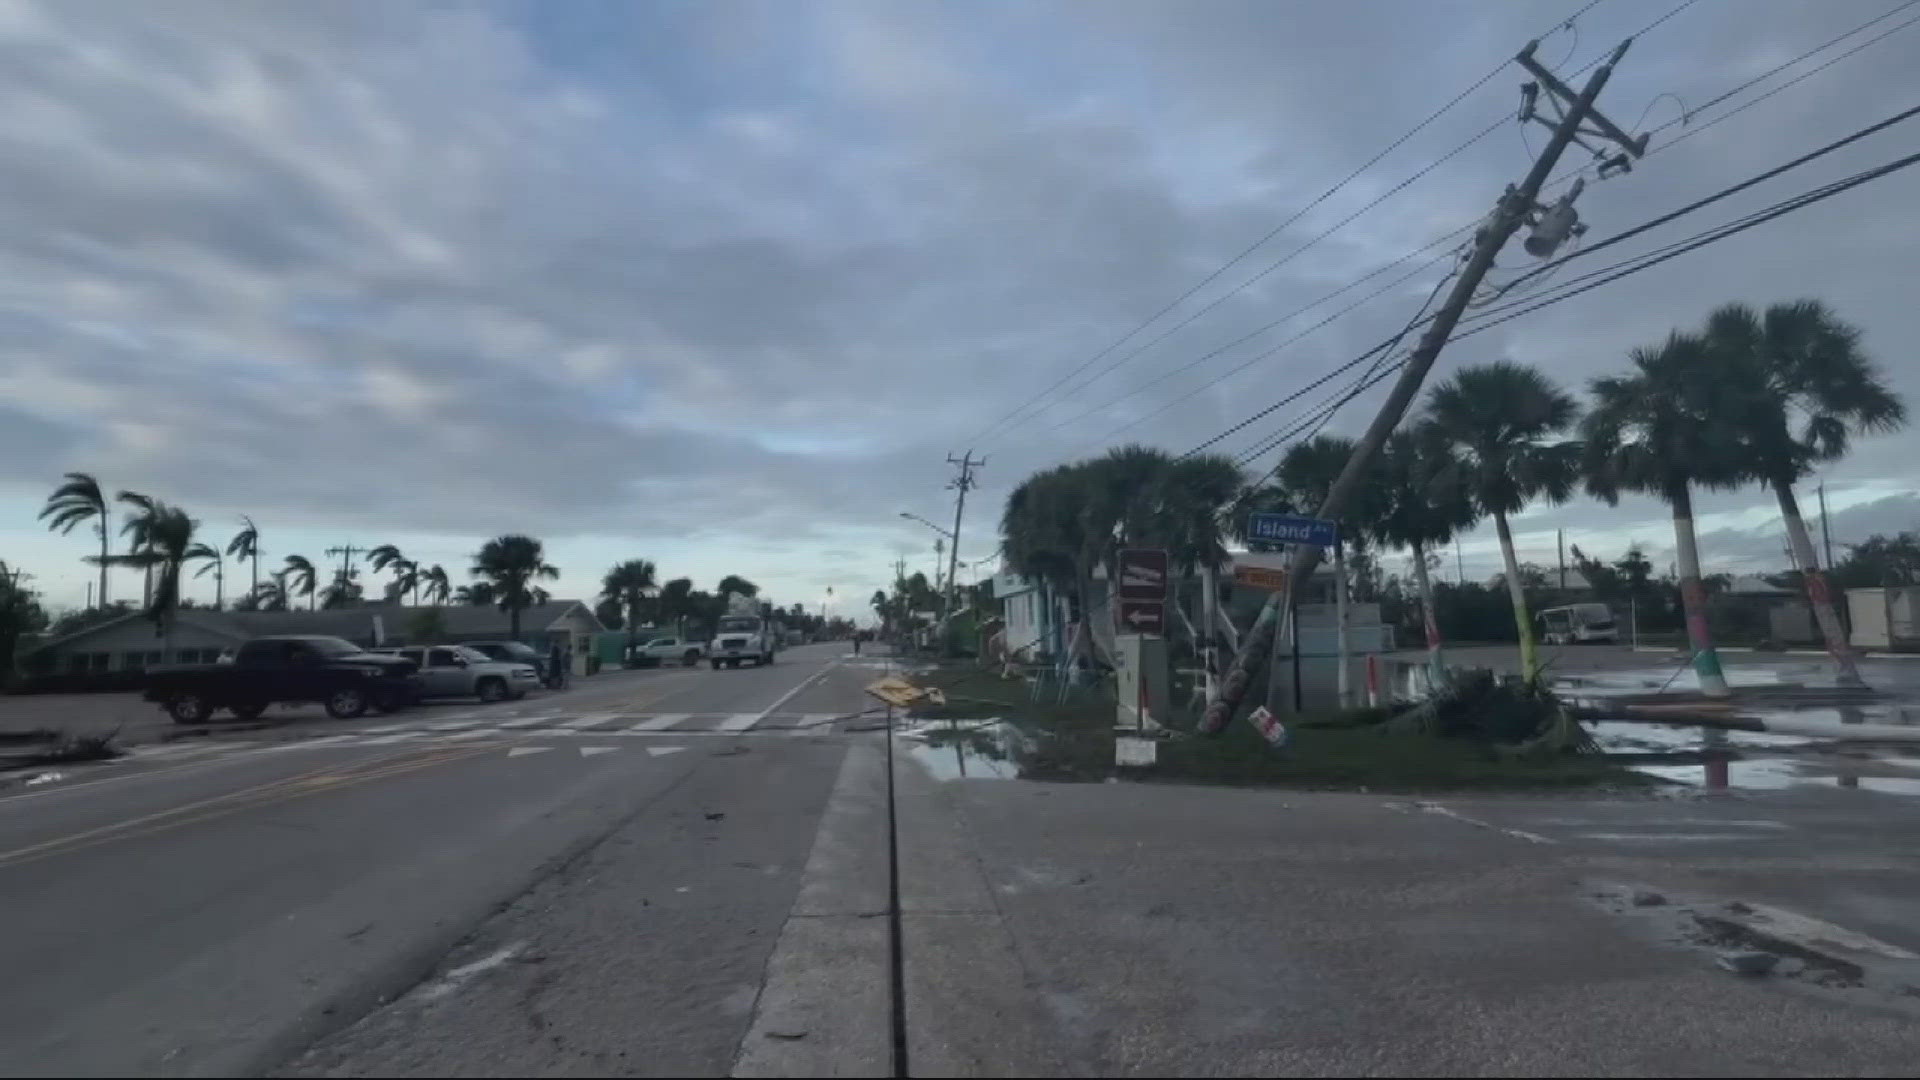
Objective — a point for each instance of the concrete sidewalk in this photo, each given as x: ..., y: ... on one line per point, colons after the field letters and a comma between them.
x: 1158, y: 930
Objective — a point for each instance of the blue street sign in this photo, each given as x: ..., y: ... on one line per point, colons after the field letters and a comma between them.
x: 1292, y: 529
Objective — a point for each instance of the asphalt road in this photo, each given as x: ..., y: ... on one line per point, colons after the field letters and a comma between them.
x: 216, y: 909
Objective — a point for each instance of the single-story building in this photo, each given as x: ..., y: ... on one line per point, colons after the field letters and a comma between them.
x: 1885, y: 618
x: 130, y: 642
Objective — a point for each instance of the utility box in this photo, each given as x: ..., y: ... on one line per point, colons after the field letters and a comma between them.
x: 1143, y: 679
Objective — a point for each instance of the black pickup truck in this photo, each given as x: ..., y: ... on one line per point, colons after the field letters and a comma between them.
x: 265, y: 671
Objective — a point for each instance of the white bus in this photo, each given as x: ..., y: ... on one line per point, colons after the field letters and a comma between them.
x: 1577, y: 623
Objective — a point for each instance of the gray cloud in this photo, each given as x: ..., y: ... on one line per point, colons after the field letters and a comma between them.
x: 456, y: 270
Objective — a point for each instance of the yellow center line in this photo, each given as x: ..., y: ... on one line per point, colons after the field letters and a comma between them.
x: 326, y: 778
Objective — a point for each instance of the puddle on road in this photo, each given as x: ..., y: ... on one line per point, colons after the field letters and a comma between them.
x: 963, y: 749
x: 1766, y: 761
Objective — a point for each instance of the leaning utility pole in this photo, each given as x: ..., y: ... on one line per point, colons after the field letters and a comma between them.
x: 961, y: 483
x: 1552, y: 225
x: 346, y: 554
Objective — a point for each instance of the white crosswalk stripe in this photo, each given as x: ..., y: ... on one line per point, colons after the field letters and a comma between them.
x: 588, y: 721
x: 739, y: 722
x: 525, y: 722
x: 661, y: 722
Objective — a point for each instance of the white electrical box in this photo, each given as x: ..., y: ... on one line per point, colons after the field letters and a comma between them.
x: 1142, y: 677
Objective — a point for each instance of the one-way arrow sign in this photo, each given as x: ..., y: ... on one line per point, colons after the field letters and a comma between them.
x: 1143, y: 616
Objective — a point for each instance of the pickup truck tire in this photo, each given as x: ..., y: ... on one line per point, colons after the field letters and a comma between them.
x: 347, y: 703
x: 491, y: 690
x: 247, y: 710
x: 692, y: 658
x: 190, y: 709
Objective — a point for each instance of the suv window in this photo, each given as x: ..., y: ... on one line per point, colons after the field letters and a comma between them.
x: 660, y: 643
x: 442, y: 658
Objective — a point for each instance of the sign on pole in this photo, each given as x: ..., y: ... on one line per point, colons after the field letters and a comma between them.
x: 1143, y: 616
x: 1143, y: 574
x: 1142, y: 590
x: 1292, y: 529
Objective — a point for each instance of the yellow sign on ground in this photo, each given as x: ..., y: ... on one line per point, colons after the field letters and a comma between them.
x: 896, y: 691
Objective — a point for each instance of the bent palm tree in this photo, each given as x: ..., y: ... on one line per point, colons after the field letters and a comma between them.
x: 1497, y: 421
x: 80, y: 499
x: 628, y: 584
x: 301, y: 578
x: 1422, y: 505
x: 209, y: 559
x: 435, y: 584
x: 1662, y: 430
x: 162, y: 544
x: 245, y: 546
x: 1799, y: 360
x: 511, y: 564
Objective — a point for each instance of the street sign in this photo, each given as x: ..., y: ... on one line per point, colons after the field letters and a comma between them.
x: 1260, y: 577
x: 1143, y: 574
x: 1269, y: 726
x: 1292, y: 529
x: 1143, y: 617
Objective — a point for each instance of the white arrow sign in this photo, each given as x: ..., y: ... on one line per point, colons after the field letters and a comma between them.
x: 1136, y: 617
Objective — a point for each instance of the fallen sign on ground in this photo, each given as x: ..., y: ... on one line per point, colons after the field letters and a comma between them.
x: 900, y: 693
x: 1269, y: 726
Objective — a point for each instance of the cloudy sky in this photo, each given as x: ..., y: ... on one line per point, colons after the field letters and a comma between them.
x: 723, y: 284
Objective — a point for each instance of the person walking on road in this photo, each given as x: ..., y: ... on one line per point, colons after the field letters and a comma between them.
x: 556, y: 667
x: 856, y: 642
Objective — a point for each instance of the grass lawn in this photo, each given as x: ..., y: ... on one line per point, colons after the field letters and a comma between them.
x: 1074, y: 741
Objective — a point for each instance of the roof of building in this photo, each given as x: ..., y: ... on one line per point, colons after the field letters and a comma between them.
x: 356, y: 623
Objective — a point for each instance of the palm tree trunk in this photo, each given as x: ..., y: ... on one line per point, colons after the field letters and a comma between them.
x: 1817, y: 595
x: 219, y: 583
x: 105, y: 553
x: 1429, y: 621
x: 1517, y: 592
x: 253, y: 587
x: 633, y: 610
x: 513, y: 621
x: 1693, y: 598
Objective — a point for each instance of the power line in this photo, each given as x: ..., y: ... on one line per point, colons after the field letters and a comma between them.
x: 1274, y: 266
x: 1037, y: 399
x: 1375, y: 294
x: 1596, y: 278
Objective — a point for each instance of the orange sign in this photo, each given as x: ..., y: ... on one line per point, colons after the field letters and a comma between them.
x: 1260, y: 577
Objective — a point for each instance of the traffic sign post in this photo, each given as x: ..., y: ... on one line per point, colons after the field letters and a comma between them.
x: 1143, y: 574
x: 1292, y: 529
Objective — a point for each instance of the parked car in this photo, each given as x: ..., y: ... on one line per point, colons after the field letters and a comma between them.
x: 518, y: 652
x: 342, y: 676
x: 663, y: 650
x: 457, y: 671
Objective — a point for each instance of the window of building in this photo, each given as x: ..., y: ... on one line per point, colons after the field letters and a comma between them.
x: 76, y: 663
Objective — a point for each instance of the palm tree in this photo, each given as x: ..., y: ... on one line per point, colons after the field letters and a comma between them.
x: 628, y: 584
x: 478, y: 594
x: 135, y: 529
x: 676, y: 603
x: 209, y: 559
x: 80, y: 499
x: 245, y: 546
x: 435, y: 584
x: 269, y: 595
x: 301, y: 577
x: 1799, y: 362
x: 1662, y: 430
x: 162, y: 544
x: 384, y: 556
x: 512, y: 563
x: 1499, y: 422
x: 406, y: 580
x: 1421, y: 506
x: 735, y: 585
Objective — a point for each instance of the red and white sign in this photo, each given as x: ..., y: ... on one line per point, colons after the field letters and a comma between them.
x: 1143, y: 617
x: 1269, y: 726
x: 1143, y: 574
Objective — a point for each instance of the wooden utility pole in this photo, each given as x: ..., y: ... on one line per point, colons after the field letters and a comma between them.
x: 1517, y: 206
x: 961, y: 484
